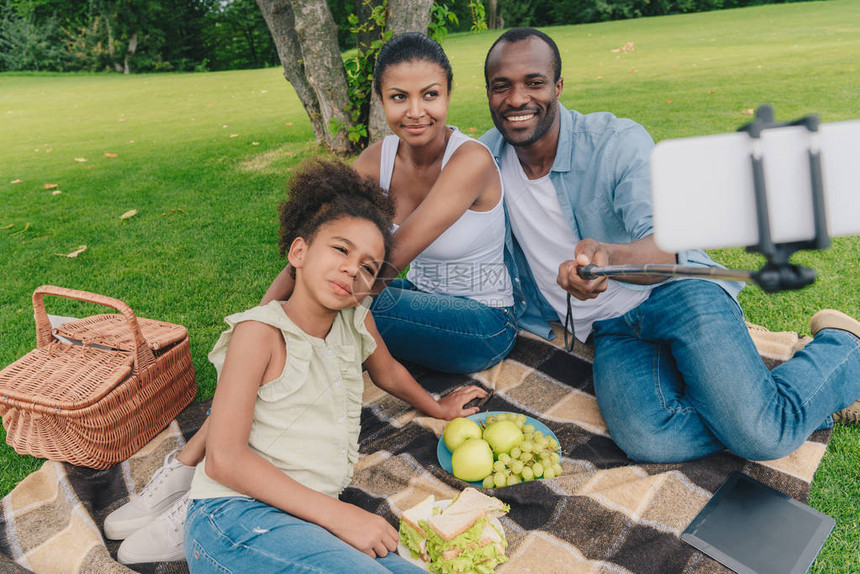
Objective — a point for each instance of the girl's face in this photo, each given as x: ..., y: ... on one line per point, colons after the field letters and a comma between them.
x: 339, y: 266
x: 415, y: 98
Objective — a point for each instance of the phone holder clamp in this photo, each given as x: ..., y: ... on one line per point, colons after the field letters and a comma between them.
x: 778, y: 274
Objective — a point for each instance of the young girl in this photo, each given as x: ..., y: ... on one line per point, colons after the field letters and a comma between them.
x: 282, y: 437
x: 453, y: 312
x: 285, y: 416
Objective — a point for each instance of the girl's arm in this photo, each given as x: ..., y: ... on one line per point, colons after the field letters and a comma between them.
x: 232, y: 463
x: 468, y: 176
x: 389, y: 375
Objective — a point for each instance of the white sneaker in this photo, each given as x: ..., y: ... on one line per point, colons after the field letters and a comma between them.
x: 160, y: 540
x: 168, y: 483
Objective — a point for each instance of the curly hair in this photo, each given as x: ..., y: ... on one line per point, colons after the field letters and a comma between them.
x: 322, y: 191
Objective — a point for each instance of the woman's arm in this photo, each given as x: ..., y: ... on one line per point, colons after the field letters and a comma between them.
x: 390, y: 375
x: 469, y: 177
x: 281, y: 288
x: 367, y: 163
x: 232, y: 463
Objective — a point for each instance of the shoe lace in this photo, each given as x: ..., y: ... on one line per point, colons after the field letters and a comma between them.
x: 152, y: 486
x: 175, y: 515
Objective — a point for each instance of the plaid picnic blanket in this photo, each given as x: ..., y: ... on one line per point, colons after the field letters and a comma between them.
x: 604, y: 514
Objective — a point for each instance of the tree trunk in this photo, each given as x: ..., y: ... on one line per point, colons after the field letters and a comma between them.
x: 492, y: 15
x: 132, y: 48
x: 403, y: 16
x: 306, y: 39
x: 111, y: 47
x: 377, y: 126
x: 408, y: 15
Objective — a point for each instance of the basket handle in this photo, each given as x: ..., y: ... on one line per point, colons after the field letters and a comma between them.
x: 143, y: 354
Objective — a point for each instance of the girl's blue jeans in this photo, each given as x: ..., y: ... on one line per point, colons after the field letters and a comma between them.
x: 443, y: 332
x: 678, y: 378
x: 237, y: 534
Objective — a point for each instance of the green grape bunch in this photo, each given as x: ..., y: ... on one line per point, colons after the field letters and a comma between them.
x: 537, y: 456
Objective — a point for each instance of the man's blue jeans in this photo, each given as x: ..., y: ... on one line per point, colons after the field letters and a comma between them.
x: 225, y: 535
x: 678, y: 378
x: 443, y: 332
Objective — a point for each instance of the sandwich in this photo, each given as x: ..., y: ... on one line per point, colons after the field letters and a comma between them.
x: 412, y: 528
x: 463, y: 538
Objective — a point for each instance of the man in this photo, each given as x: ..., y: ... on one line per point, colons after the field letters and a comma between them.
x: 676, y: 374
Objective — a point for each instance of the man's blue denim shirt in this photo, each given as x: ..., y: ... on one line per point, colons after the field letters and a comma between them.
x: 602, y: 176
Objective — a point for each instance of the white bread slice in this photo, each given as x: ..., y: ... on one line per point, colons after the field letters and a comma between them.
x: 421, y: 511
x: 470, y: 506
x: 449, y: 526
x: 471, y: 499
x: 489, y: 535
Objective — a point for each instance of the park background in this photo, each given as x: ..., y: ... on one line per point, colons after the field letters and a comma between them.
x: 202, y: 158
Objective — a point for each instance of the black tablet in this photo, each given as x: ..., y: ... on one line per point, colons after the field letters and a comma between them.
x: 755, y: 529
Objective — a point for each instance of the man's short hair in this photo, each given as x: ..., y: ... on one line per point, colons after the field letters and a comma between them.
x: 523, y: 33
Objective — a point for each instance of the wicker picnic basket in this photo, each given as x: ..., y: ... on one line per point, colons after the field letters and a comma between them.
x: 96, y: 397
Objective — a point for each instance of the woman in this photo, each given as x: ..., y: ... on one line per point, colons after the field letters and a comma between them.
x: 452, y: 311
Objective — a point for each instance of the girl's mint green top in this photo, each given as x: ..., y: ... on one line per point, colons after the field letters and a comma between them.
x: 306, y: 421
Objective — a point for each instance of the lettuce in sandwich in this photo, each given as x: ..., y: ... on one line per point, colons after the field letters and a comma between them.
x: 479, y: 548
x: 461, y: 539
x: 413, y: 528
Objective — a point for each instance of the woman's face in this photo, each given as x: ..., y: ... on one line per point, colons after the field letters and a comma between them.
x: 415, y: 98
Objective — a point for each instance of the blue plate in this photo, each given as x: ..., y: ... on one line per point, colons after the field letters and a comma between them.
x: 444, y: 455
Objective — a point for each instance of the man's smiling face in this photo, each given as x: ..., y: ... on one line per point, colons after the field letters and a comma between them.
x: 522, y: 91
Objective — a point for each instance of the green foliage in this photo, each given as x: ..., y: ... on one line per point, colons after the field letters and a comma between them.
x: 154, y: 35
x: 235, y: 36
x: 87, y: 47
x: 520, y: 13
x: 341, y: 10
x: 140, y: 35
x: 26, y: 44
x: 370, y: 35
x: 441, y: 16
x: 190, y: 35
x: 551, y: 13
x: 479, y: 15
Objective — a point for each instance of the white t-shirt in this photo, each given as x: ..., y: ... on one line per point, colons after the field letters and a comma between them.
x: 547, y: 241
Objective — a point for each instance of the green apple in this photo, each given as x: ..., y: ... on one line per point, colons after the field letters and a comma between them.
x: 458, y: 431
x: 473, y: 460
x: 503, y: 436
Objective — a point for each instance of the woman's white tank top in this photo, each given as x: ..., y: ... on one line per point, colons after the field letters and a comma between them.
x: 467, y: 259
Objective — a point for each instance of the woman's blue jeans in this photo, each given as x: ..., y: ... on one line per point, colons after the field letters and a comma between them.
x: 225, y: 535
x: 443, y: 332
x: 678, y: 378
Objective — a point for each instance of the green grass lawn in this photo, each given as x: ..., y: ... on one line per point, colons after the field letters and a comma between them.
x: 203, y: 159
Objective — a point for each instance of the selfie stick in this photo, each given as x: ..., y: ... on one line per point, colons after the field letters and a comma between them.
x: 777, y: 274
